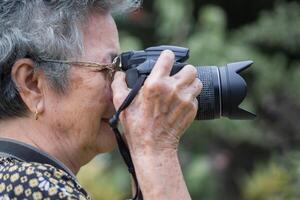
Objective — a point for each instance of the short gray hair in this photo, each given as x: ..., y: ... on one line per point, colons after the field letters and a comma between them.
x: 43, y: 28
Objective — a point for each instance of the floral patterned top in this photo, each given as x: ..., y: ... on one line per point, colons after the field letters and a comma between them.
x: 30, y: 180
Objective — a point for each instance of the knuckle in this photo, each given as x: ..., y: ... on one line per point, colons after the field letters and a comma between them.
x: 190, y: 102
x: 186, y: 102
x: 192, y: 70
x: 154, y: 86
x: 193, y: 106
x: 150, y: 85
x: 176, y: 87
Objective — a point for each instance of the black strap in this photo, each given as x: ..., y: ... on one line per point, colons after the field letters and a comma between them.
x: 27, y: 153
x: 123, y: 148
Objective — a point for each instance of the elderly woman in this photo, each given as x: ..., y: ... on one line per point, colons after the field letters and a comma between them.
x: 57, y: 95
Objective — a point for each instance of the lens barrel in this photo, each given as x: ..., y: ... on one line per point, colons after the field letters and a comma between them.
x: 209, y: 100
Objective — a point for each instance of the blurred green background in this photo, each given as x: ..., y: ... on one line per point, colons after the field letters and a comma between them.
x: 224, y: 159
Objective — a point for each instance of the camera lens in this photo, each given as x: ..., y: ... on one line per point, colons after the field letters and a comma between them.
x: 223, y: 90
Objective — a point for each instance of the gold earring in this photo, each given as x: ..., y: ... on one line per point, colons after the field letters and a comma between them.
x: 36, y: 115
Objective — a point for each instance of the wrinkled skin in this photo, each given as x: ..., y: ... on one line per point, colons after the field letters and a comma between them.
x: 154, y: 123
x: 73, y: 126
x: 163, y: 109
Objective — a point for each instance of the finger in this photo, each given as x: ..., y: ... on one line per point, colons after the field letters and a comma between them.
x: 186, y: 75
x: 163, y: 65
x: 195, y: 88
x: 192, y: 91
x: 183, y: 109
x: 119, y: 88
x: 190, y: 115
x: 187, y: 97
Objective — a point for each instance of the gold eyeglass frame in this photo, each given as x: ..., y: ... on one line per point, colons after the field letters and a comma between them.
x: 111, y: 67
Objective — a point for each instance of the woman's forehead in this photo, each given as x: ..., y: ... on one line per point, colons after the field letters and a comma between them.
x: 100, y: 37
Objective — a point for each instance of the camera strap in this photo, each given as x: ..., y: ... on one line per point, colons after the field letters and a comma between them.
x: 26, y: 153
x: 123, y: 148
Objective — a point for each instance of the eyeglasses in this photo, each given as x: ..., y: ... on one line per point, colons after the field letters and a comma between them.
x: 111, y: 67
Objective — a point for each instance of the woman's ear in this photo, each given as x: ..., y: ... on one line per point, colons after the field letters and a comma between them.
x: 29, y: 83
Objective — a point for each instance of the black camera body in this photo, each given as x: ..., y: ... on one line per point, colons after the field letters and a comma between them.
x: 223, y: 88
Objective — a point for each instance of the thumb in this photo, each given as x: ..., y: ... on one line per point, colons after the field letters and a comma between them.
x: 119, y: 88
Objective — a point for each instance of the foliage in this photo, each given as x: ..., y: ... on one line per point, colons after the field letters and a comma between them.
x: 225, y: 159
x: 268, y: 182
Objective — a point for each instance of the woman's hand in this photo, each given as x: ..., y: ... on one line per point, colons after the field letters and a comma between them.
x: 154, y: 123
x: 163, y: 109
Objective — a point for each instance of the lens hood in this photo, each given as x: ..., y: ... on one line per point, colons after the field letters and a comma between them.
x: 234, y: 90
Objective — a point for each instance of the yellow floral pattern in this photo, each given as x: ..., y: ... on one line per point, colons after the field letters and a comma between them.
x: 21, y: 180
